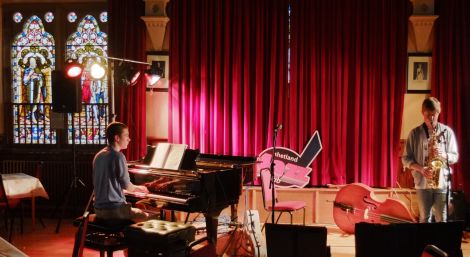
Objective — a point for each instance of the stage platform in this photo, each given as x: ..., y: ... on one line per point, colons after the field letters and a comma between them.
x: 319, y: 202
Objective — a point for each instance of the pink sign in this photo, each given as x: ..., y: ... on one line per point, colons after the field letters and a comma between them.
x: 290, y: 168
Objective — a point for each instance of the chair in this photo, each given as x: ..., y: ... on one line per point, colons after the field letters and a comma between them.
x: 281, y: 207
x: 105, y: 236
x: 29, y: 202
x: 28, y: 167
x: 8, y: 206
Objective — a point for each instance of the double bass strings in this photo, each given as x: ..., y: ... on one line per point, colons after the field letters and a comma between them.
x: 383, y: 217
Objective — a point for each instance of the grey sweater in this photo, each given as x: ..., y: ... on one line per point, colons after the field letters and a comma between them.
x: 110, y: 177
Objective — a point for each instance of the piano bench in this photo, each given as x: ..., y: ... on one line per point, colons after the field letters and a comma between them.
x: 101, y: 235
x: 154, y: 238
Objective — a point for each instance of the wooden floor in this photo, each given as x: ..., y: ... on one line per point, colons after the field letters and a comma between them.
x: 44, y: 242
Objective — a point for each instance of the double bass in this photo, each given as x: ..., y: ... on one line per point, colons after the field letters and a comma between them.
x: 357, y: 203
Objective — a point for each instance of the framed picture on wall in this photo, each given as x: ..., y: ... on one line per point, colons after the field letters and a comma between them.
x: 419, y: 73
x: 160, y: 64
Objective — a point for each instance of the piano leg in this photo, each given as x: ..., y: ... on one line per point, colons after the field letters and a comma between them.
x: 234, y: 212
x: 212, y: 221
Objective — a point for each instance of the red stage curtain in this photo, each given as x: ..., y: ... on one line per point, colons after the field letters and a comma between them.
x: 348, y: 79
x: 227, y: 71
x: 451, y: 78
x: 127, y: 40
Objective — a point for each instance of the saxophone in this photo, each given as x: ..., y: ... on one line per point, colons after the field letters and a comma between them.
x: 435, y: 162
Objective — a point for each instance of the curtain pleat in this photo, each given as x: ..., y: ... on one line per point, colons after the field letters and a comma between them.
x: 228, y: 81
x: 228, y: 73
x: 127, y: 40
x: 348, y: 78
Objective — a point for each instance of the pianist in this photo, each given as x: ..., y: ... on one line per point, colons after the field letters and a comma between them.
x: 111, y: 177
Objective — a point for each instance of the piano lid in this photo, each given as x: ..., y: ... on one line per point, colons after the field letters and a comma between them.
x: 232, y: 159
x: 247, y: 164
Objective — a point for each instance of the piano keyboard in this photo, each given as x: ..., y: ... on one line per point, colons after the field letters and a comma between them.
x: 157, y: 197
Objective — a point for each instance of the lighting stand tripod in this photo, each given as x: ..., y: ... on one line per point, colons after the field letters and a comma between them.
x: 245, y: 239
x: 76, y: 181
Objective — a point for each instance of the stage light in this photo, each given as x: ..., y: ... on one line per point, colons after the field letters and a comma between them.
x: 152, y: 79
x: 97, y: 71
x: 126, y: 74
x: 154, y: 74
x: 73, y: 69
x: 135, y: 78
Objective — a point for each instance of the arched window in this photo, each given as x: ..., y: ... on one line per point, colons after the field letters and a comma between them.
x: 89, y: 45
x: 32, y: 60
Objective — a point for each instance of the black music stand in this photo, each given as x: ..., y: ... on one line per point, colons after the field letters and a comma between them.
x: 296, y: 241
x: 407, y: 239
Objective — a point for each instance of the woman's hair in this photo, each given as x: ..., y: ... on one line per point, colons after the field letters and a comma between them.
x: 431, y: 104
x: 114, y: 129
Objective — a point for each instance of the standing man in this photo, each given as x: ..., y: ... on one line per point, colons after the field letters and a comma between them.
x: 431, y: 140
x: 111, y: 177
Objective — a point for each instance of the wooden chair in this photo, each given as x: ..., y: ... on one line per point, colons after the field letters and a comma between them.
x: 27, y: 201
x: 28, y: 167
x: 281, y: 207
x: 8, y: 206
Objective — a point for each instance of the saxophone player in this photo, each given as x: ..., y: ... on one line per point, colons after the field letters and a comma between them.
x: 430, y: 143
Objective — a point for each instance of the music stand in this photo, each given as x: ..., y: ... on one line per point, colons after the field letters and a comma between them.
x: 407, y: 239
x: 296, y: 240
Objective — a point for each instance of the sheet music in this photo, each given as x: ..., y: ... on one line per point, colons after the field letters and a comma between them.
x: 175, y: 156
x: 168, y: 156
x: 160, y: 155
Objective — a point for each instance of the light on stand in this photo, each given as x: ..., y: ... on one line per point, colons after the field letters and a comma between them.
x: 73, y: 69
x: 135, y: 78
x: 126, y: 75
x: 97, y: 71
x: 152, y: 79
x: 154, y: 74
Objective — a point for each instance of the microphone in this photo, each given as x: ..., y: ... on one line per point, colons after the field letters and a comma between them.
x: 278, y: 127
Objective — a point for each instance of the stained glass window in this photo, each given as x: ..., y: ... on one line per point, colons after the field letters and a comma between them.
x: 49, y: 17
x: 104, y: 16
x: 32, y: 60
x: 72, y: 17
x: 88, y: 45
x: 17, y: 17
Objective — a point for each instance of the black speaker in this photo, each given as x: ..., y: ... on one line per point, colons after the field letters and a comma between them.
x: 296, y: 241
x: 458, y: 210
x: 407, y: 240
x: 66, y: 93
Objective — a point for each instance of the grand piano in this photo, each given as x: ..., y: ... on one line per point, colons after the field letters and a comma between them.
x: 212, y: 184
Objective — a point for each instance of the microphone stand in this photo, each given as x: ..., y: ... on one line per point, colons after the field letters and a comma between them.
x: 271, y: 184
x: 449, y: 178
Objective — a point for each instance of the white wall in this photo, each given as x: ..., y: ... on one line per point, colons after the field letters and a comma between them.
x: 157, y: 115
x: 411, y: 113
